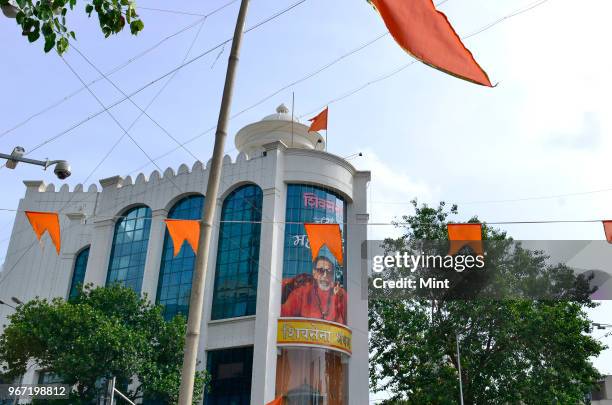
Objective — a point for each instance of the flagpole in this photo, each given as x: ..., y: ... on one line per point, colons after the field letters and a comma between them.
x: 292, y: 112
x: 326, y: 126
x: 196, y: 300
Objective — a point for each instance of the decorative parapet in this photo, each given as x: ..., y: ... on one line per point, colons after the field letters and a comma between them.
x: 111, y: 182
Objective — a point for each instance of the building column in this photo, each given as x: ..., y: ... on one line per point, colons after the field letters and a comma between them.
x: 265, y: 353
x: 357, y: 234
x: 99, y: 253
x: 150, y: 277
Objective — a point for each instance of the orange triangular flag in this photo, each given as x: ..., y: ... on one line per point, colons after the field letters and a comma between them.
x: 276, y: 401
x: 319, y: 122
x: 462, y: 235
x: 426, y: 34
x: 325, y: 234
x: 182, y: 230
x: 608, y: 230
x: 46, y: 221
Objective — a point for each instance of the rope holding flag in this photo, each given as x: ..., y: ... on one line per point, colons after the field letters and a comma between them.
x: 319, y: 122
x: 608, y: 230
x: 461, y: 235
x: 325, y: 234
x: 46, y: 221
x: 426, y: 34
x: 182, y: 230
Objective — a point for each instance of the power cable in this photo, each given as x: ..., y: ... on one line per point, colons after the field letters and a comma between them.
x: 116, y: 68
x: 164, y: 10
x: 142, y: 111
x: 181, y: 66
x: 113, y: 117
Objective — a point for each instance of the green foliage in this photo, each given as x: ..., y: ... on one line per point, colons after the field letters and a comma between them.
x: 102, y: 333
x: 48, y: 17
x: 512, y: 351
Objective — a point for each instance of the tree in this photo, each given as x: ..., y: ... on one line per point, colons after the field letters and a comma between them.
x: 512, y: 351
x: 48, y: 17
x: 102, y: 333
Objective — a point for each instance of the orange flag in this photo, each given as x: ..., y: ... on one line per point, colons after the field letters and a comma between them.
x: 46, y: 221
x: 608, y: 230
x: 319, y: 122
x: 426, y: 34
x: 462, y: 235
x: 325, y: 234
x: 276, y: 401
x: 182, y: 230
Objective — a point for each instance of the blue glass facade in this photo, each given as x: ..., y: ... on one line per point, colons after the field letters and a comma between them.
x: 307, y: 203
x: 235, y: 289
x: 231, y: 372
x: 129, y: 250
x: 175, y: 273
x: 78, y: 273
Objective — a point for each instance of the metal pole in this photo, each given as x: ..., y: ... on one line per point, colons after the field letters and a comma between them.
x: 292, y: 112
x: 112, y: 390
x: 459, y: 366
x: 44, y: 163
x: 199, y: 275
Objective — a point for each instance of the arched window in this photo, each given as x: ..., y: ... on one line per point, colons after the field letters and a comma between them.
x: 175, y: 273
x: 129, y: 251
x: 78, y: 273
x: 235, y: 292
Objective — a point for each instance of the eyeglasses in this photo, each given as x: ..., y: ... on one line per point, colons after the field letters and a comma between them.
x: 323, y: 270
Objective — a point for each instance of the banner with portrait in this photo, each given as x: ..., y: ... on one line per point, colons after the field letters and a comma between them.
x: 312, y: 288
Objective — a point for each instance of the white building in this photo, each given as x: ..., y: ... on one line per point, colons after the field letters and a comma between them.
x: 281, y: 177
x: 603, y: 394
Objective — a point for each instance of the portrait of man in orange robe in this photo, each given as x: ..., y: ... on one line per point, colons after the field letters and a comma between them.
x: 316, y: 296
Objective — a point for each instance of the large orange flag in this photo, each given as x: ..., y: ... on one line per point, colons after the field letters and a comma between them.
x: 462, y: 235
x: 182, y: 230
x: 325, y: 234
x: 46, y: 221
x: 608, y: 230
x: 426, y: 34
x: 276, y: 401
x: 319, y: 122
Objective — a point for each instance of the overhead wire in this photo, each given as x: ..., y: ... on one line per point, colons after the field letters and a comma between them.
x: 112, y: 116
x: 116, y: 68
x: 350, y: 93
x: 390, y: 223
x: 168, y: 73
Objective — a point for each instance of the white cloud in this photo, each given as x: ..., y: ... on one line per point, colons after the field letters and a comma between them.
x: 390, y: 192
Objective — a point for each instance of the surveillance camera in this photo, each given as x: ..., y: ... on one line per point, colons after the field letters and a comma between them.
x: 62, y: 170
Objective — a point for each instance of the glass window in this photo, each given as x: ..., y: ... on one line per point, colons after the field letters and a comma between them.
x: 47, y: 377
x: 129, y: 250
x: 230, y: 376
x: 319, y: 295
x: 175, y: 273
x: 78, y: 274
x: 238, y: 254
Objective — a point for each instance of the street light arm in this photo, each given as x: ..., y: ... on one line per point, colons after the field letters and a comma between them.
x: 43, y: 163
x: 62, y: 167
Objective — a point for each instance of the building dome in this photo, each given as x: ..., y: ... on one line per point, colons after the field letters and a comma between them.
x: 277, y: 127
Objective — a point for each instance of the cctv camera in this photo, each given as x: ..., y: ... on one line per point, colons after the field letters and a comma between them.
x: 62, y: 170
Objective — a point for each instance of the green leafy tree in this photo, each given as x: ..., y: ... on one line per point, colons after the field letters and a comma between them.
x: 102, y: 333
x: 48, y: 18
x: 515, y: 351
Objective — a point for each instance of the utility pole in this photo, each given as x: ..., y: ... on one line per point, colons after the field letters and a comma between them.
x: 196, y: 301
x: 459, y: 367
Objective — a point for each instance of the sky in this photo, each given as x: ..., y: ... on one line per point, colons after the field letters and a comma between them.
x: 532, y: 148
